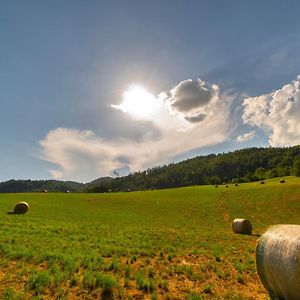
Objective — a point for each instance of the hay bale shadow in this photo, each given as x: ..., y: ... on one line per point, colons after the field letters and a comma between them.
x: 14, y: 213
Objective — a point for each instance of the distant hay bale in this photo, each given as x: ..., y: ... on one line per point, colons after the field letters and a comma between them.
x: 226, y: 185
x: 216, y: 185
x: 236, y: 184
x: 128, y: 190
x: 262, y: 182
x: 282, y: 180
x: 67, y: 191
x: 21, y: 208
x: 241, y: 226
x: 45, y: 191
x: 278, y: 261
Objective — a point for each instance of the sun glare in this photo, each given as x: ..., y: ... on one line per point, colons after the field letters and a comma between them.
x: 138, y: 102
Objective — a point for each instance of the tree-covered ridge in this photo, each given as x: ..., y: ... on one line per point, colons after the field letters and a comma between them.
x: 22, y: 186
x: 239, y: 166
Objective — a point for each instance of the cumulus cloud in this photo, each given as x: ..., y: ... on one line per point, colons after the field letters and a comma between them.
x: 78, y: 152
x: 191, y: 94
x: 82, y: 155
x: 193, y: 99
x: 246, y: 137
x: 277, y: 113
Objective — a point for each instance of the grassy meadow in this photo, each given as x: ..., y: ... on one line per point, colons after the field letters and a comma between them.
x: 166, y: 244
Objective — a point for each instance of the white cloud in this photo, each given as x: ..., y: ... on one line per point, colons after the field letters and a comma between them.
x: 78, y: 153
x: 246, y: 137
x: 82, y: 155
x: 278, y: 113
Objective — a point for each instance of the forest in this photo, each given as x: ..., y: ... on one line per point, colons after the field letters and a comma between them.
x: 244, y: 165
x: 239, y: 166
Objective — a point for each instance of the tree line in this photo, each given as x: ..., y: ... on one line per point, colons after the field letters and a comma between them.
x: 239, y: 166
x: 244, y: 165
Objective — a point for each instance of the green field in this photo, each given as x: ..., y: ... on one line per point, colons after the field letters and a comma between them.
x: 167, y: 244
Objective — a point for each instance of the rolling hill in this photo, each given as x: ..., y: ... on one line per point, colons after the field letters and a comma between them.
x: 173, y: 243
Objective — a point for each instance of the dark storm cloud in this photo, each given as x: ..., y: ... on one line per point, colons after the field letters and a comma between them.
x: 191, y: 94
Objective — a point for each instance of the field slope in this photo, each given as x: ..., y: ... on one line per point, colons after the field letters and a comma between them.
x: 167, y: 244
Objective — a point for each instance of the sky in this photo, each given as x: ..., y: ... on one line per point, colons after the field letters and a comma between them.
x: 96, y: 88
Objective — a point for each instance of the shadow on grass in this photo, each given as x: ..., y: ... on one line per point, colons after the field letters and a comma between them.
x: 107, y: 295
x: 256, y: 234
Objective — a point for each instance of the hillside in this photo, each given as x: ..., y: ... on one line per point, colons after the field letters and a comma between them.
x: 166, y: 244
x: 245, y: 165
x: 21, y: 186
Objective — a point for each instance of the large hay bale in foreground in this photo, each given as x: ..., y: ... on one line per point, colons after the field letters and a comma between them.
x: 278, y: 261
x: 21, y: 208
x: 241, y: 226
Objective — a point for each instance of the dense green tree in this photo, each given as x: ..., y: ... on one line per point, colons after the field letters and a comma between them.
x: 260, y: 173
x: 296, y: 167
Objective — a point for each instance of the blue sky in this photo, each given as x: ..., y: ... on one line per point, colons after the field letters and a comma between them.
x: 64, y: 63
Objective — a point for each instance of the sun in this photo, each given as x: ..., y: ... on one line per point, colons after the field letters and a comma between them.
x: 138, y: 102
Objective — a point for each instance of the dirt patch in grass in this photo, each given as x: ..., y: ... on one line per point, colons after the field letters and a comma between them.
x: 143, y: 278
x: 222, y: 206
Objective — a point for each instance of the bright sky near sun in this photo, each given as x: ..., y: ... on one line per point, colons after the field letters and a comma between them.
x: 139, y: 103
x: 89, y: 88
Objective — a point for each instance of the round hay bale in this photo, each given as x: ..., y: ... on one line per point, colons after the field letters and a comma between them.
x: 278, y: 261
x: 21, y: 208
x: 216, y: 185
x: 236, y: 184
x: 241, y: 226
x: 262, y: 182
x: 67, y: 191
x: 282, y: 181
x: 226, y: 185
